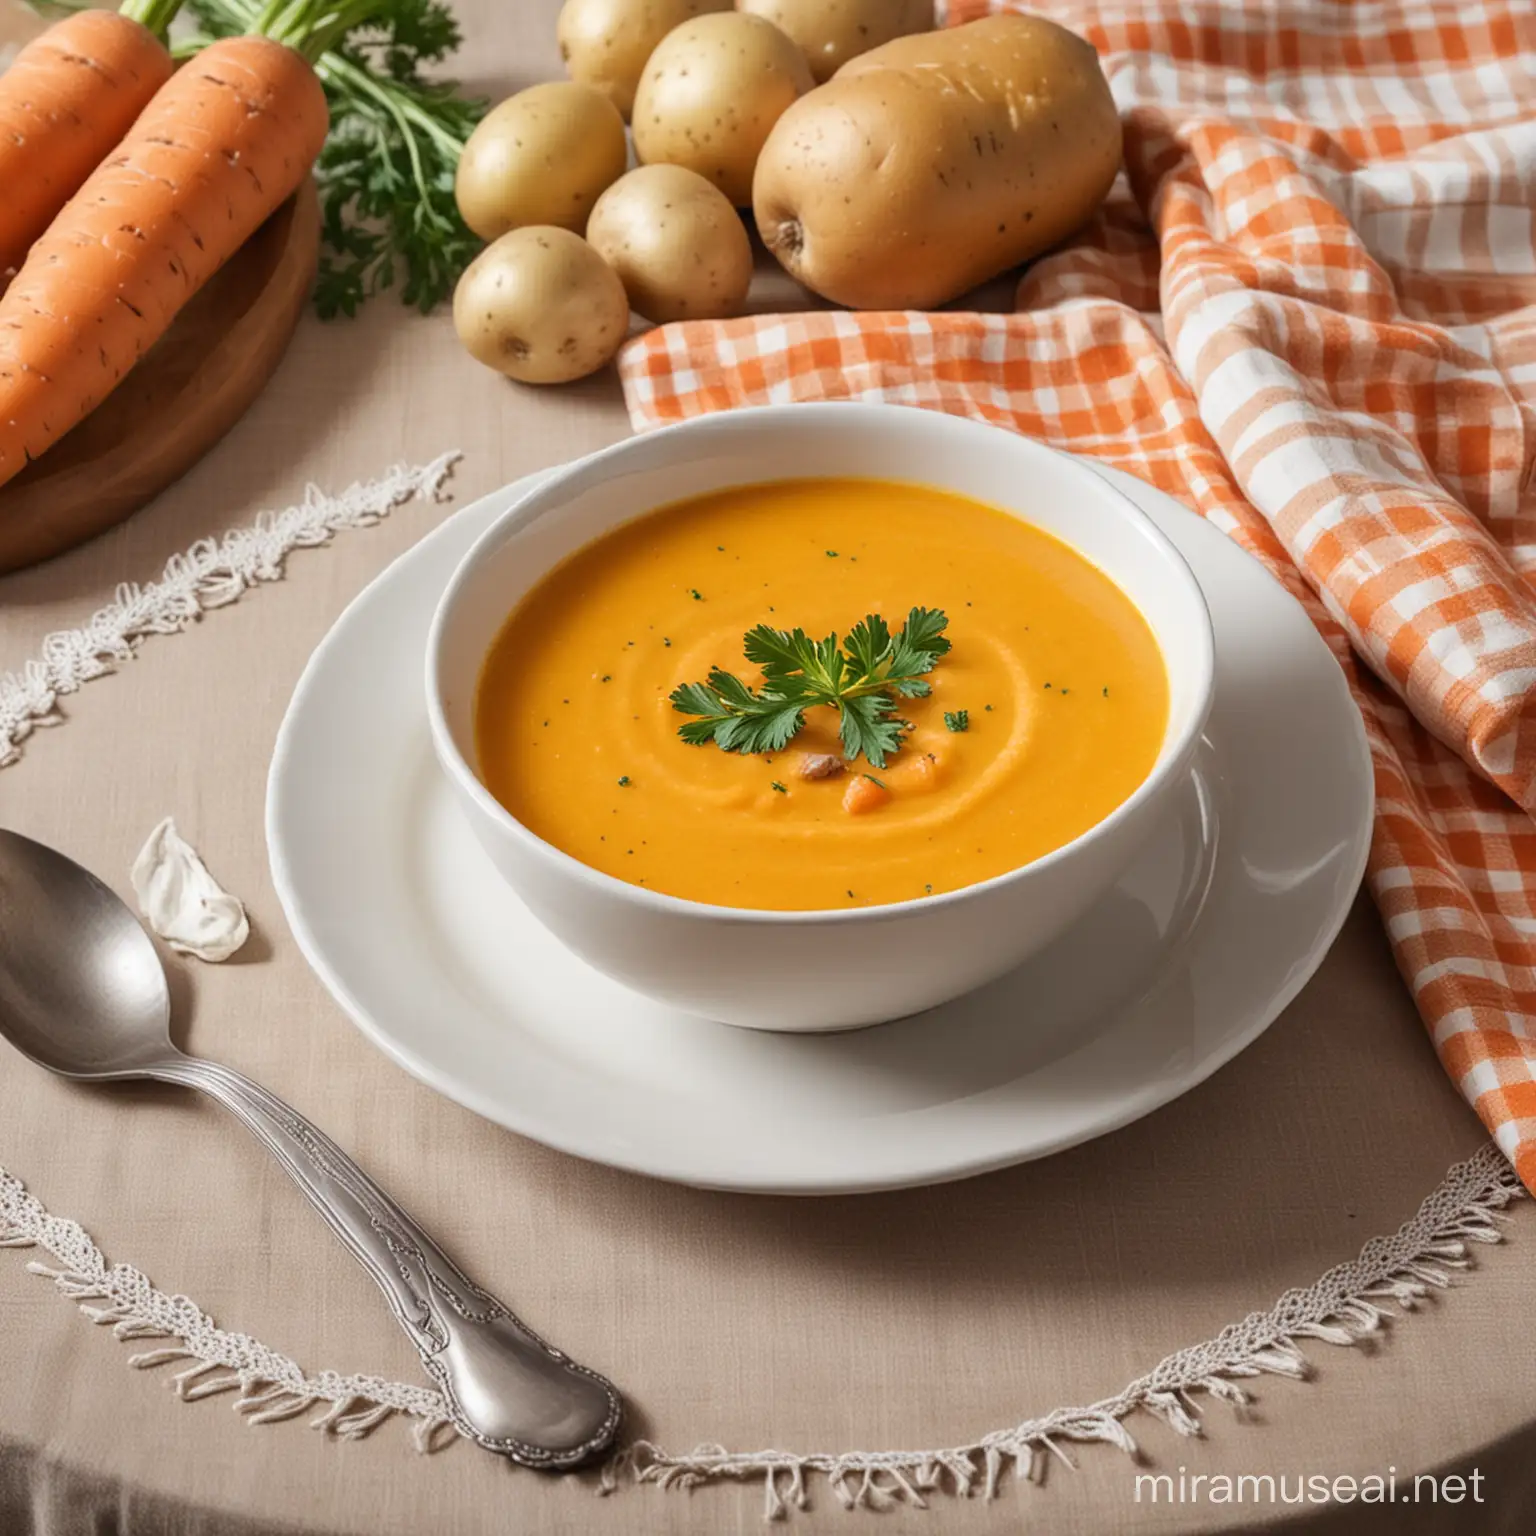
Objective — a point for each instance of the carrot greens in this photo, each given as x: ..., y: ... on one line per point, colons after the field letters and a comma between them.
x: 861, y: 678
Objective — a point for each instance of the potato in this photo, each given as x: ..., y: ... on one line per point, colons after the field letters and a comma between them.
x: 678, y: 246
x: 540, y: 305
x: 830, y: 32
x: 605, y: 43
x: 711, y: 92
x: 936, y: 162
x: 543, y: 156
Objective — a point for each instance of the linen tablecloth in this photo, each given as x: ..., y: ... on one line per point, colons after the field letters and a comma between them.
x: 898, y: 1320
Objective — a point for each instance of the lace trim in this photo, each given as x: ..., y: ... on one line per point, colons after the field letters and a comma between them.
x: 1350, y: 1303
x: 210, y: 574
x: 269, y: 1385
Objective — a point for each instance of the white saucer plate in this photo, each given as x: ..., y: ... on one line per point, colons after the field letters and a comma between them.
x: 1214, y: 929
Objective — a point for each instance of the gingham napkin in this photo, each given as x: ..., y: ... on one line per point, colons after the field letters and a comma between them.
x: 1311, y: 316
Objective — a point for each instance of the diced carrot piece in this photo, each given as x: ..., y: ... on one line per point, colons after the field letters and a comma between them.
x: 925, y: 772
x: 863, y: 794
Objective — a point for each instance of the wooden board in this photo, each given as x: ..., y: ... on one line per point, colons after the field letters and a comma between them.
x: 190, y: 389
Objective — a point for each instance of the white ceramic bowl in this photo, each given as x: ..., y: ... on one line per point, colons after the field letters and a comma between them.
x: 849, y: 968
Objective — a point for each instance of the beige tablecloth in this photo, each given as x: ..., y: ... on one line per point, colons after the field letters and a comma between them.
x: 915, y: 1319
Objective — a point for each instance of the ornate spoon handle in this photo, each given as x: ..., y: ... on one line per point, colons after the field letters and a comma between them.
x: 506, y: 1388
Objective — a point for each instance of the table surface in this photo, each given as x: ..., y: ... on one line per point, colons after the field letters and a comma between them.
x: 923, y: 1318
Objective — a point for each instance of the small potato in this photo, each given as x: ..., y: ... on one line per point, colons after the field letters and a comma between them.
x: 543, y: 156
x: 605, y: 43
x: 678, y: 246
x: 712, y: 92
x: 541, y: 306
x: 830, y: 32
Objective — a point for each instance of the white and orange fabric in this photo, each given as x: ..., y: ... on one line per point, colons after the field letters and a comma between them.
x: 1309, y: 313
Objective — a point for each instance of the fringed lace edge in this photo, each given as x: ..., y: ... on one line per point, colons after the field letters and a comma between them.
x: 209, y: 1362
x: 212, y: 573
x: 1352, y: 1302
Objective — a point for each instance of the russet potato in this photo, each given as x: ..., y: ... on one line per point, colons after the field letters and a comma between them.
x: 710, y: 95
x: 678, y: 246
x: 830, y: 32
x: 937, y: 161
x: 605, y: 43
x: 542, y: 156
x: 541, y: 306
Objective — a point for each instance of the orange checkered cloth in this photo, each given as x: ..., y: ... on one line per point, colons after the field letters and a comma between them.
x: 1308, y: 312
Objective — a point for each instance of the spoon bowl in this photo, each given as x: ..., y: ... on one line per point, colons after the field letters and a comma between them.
x: 83, y: 993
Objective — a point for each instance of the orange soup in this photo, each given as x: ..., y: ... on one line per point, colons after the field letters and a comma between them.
x: 1046, y: 712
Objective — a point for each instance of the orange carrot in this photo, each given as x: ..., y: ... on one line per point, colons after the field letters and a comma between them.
x: 864, y: 794
x: 223, y: 143
x: 66, y: 100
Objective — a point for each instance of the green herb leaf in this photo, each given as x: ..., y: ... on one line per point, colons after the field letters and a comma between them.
x: 868, y: 642
x: 870, y: 726
x: 958, y: 720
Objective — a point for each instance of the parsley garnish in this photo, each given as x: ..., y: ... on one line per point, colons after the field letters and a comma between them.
x: 777, y: 788
x: 958, y: 719
x: 624, y: 781
x: 861, y: 679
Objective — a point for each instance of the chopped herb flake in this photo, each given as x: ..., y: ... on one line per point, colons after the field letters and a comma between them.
x: 695, y: 594
x: 624, y: 781
x: 957, y: 719
x: 778, y: 788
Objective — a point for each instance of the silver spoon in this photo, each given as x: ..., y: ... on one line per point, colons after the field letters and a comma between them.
x: 83, y: 993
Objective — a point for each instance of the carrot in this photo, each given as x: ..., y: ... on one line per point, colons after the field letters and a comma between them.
x: 66, y: 100
x: 864, y: 794
x: 224, y: 142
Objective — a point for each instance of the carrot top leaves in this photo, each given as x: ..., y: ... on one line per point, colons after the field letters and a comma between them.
x: 153, y: 15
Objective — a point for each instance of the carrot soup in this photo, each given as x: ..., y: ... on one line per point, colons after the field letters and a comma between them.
x: 819, y: 694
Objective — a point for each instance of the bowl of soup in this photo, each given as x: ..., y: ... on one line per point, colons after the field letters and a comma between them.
x: 810, y: 717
